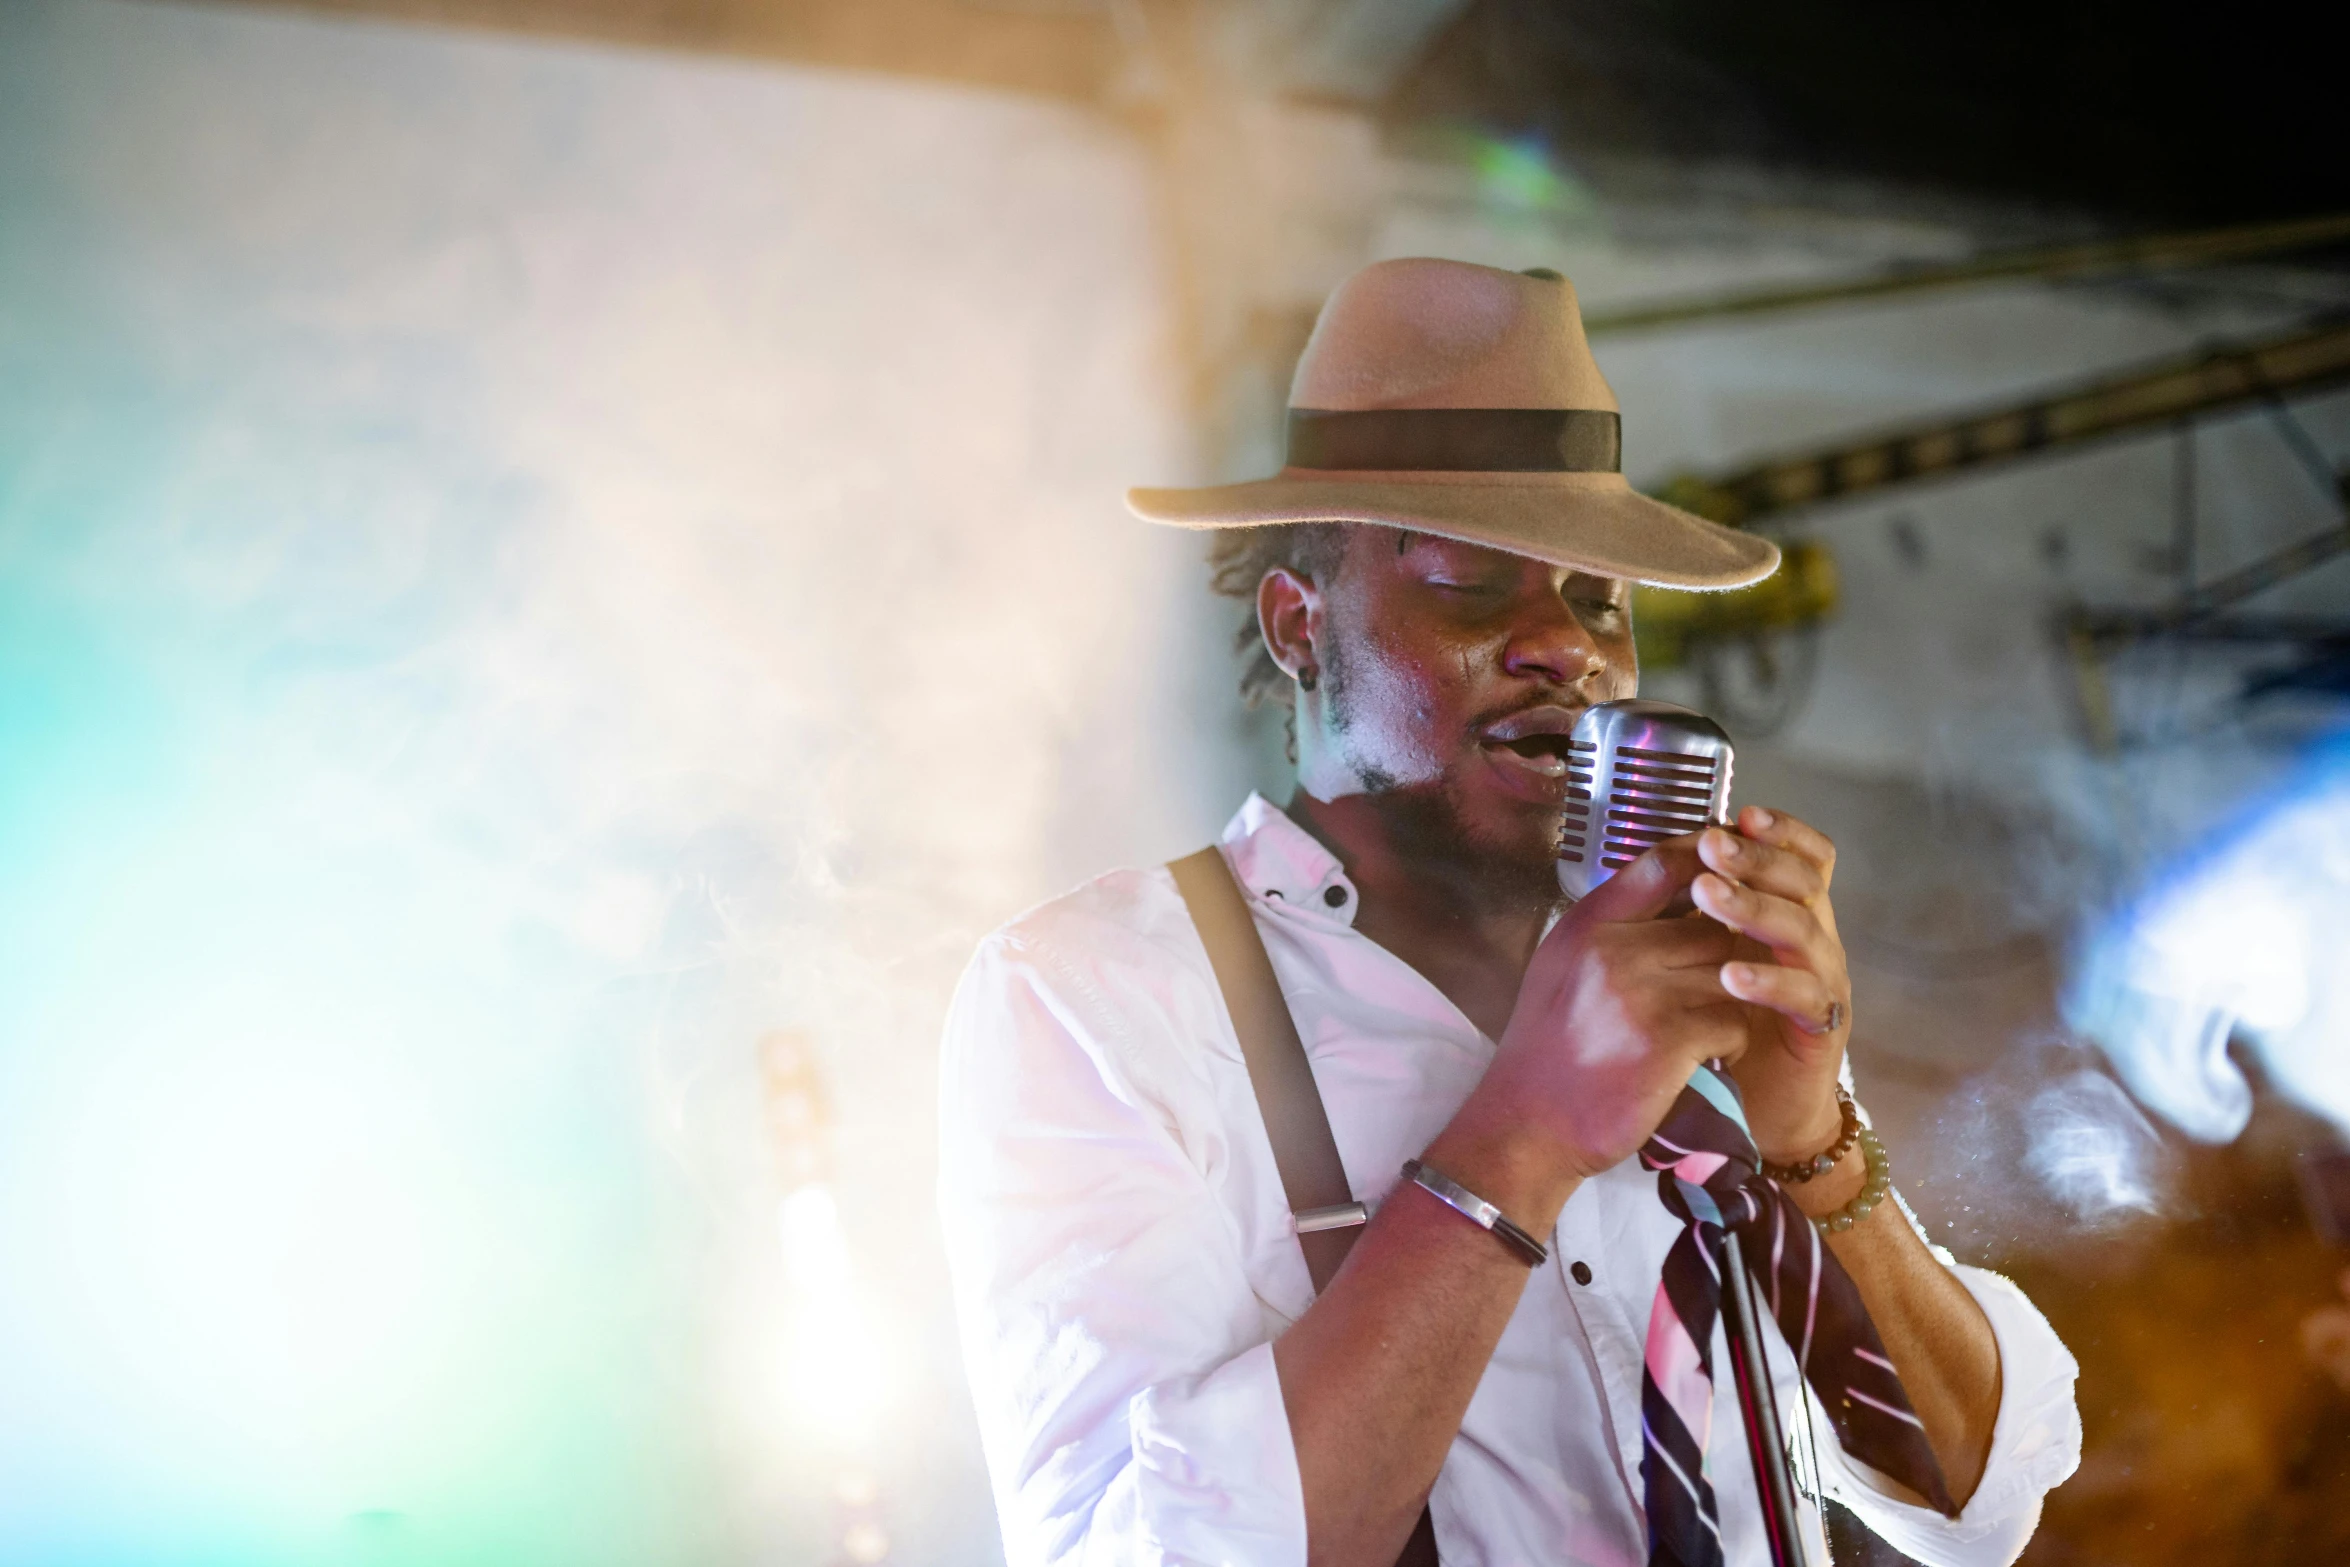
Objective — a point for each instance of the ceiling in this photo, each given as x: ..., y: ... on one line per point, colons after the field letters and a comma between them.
x: 2133, y: 112
x: 1059, y: 49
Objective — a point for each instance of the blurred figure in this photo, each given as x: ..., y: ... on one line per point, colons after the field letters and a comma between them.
x: 2325, y: 1337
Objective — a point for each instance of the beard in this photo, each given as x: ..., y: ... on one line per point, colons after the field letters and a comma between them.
x: 1504, y: 866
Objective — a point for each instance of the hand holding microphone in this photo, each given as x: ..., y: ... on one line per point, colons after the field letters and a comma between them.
x: 1621, y: 1003
x: 1633, y: 989
x: 1769, y: 882
x: 1648, y: 773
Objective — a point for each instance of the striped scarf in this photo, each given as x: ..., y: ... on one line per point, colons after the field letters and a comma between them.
x: 1709, y: 1175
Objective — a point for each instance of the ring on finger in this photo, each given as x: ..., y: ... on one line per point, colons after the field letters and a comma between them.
x: 1837, y: 1013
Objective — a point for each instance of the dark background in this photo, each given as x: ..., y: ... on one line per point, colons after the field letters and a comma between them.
x: 2172, y: 115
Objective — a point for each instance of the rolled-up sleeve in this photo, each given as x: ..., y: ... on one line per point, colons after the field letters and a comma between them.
x: 1126, y: 1393
x: 2035, y: 1444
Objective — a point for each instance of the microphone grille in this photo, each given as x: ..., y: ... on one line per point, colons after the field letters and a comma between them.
x: 1637, y: 773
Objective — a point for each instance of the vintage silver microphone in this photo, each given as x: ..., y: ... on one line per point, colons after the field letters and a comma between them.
x: 1639, y: 773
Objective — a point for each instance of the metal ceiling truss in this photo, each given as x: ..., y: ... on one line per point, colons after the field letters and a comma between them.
x: 2171, y: 394
x: 2059, y: 264
x: 2152, y: 397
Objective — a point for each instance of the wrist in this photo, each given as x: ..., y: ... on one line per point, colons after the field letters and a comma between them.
x: 1508, y: 1162
x: 1863, y: 1189
x: 1829, y: 1193
x: 1815, y: 1158
x: 1818, y: 1134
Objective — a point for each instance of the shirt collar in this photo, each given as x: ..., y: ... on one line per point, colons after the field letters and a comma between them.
x: 1279, y: 861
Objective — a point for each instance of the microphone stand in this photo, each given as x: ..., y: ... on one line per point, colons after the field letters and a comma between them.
x: 1750, y: 1368
x: 1766, y: 1442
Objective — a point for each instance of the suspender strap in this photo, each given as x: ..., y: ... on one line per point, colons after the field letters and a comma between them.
x: 1303, y: 1150
x: 1328, y: 1217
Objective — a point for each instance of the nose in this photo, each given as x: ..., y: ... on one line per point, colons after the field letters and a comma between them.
x: 1552, y: 643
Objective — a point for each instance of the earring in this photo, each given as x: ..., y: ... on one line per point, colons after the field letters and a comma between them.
x: 1308, y: 678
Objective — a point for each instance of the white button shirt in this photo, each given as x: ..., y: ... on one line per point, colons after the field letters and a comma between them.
x: 1123, y: 1259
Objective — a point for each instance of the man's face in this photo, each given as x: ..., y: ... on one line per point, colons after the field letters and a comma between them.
x: 1451, y: 675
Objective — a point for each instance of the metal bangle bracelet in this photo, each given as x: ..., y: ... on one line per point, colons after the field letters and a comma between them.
x: 1477, y: 1211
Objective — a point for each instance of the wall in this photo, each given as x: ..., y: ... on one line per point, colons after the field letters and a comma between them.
x: 526, y: 566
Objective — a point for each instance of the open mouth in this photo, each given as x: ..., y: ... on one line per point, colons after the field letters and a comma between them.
x: 1535, y: 743
x: 1536, y: 748
x: 1544, y: 754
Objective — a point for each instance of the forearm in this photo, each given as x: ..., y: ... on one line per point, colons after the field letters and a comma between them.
x: 1378, y: 1374
x: 1938, y: 1338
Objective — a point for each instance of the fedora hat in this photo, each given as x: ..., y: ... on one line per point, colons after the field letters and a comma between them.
x: 1463, y: 400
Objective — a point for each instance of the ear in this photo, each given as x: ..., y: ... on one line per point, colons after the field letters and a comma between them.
x: 1289, y: 614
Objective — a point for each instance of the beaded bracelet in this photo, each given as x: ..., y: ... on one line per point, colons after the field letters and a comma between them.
x: 1873, y: 1191
x: 1809, y: 1169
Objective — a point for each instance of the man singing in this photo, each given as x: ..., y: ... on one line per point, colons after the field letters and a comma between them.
x: 1442, y: 578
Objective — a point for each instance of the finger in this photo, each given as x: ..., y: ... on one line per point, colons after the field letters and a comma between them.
x: 1693, y: 1014
x: 1792, y: 932
x: 1765, y: 867
x: 1698, y: 938
x: 1798, y: 837
x: 1646, y: 887
x: 1702, y: 995
x: 1691, y: 940
x: 1798, y: 995
x: 1714, y: 1032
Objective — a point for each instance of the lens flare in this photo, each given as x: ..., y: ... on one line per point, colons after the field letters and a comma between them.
x: 837, y: 1378
x: 1521, y: 174
x: 2247, y: 938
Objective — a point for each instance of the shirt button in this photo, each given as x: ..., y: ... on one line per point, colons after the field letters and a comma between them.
x: 1335, y: 897
x: 1582, y: 1272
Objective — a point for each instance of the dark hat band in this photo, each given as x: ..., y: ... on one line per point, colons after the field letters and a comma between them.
x: 1458, y: 440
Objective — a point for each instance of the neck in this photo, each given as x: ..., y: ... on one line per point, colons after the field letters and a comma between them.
x: 1465, y: 922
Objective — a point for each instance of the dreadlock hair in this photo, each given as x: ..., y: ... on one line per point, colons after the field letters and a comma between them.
x: 1238, y: 559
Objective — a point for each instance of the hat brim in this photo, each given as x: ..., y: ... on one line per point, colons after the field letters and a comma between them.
x: 1593, y: 522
